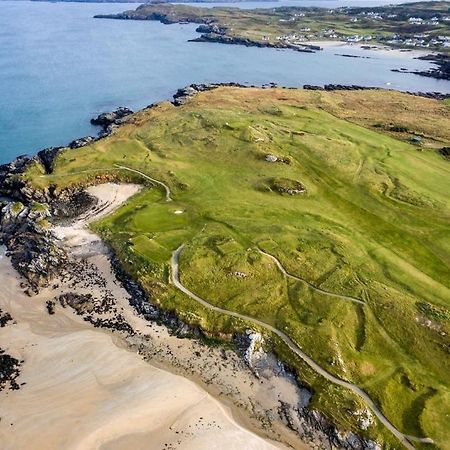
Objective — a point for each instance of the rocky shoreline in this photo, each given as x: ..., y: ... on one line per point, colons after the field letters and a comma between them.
x: 213, y: 33
x: 441, y: 72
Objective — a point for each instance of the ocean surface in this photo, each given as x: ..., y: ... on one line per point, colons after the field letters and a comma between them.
x: 59, y: 67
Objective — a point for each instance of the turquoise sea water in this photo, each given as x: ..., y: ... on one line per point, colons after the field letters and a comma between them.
x: 59, y: 67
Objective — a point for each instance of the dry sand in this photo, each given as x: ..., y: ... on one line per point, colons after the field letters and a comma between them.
x: 374, y: 49
x: 85, y: 389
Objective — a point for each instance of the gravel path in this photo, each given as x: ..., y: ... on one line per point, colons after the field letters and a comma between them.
x: 153, y: 180
x: 406, y: 440
x: 295, y: 277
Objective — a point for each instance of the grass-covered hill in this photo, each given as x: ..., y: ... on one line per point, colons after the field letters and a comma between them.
x: 351, y: 205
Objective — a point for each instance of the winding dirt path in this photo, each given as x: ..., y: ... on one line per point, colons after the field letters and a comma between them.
x: 314, y: 288
x: 406, y: 440
x: 153, y: 180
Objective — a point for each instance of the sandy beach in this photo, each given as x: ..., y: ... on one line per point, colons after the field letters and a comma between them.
x: 371, y: 49
x: 84, y: 387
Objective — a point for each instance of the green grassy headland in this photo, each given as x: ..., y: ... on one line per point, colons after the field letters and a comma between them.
x: 373, y: 223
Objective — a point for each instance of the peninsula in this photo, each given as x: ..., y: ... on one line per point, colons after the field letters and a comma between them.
x: 308, y: 224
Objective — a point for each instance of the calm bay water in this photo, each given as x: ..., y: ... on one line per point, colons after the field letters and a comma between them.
x: 59, y: 67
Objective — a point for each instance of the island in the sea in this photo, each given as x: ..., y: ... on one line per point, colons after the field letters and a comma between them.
x: 306, y: 228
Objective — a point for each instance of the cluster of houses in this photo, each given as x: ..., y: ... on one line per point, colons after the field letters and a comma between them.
x: 419, y: 40
x: 432, y: 21
x: 411, y: 20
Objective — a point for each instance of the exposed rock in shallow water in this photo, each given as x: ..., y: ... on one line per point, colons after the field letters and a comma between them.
x: 184, y: 94
x: 81, y: 142
x: 113, y: 117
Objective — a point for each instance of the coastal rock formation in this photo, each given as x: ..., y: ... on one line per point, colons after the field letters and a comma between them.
x: 47, y: 157
x: 337, y: 87
x: 445, y: 152
x: 9, y: 371
x: 5, y: 318
x: 31, y: 245
x: 441, y: 72
x: 221, y: 38
x: 108, y: 121
x: 11, y: 184
x: 354, y: 87
x: 35, y: 255
x: 81, y: 142
x: 114, y: 117
x: 184, y: 94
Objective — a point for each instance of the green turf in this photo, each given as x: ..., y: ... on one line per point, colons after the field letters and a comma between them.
x: 373, y: 224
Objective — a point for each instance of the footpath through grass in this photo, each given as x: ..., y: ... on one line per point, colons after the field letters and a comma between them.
x: 374, y: 224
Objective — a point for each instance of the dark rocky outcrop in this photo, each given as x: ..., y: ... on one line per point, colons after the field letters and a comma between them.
x: 9, y: 371
x: 211, y: 28
x: 347, y: 55
x: 81, y: 142
x: 30, y: 244
x: 221, y: 38
x: 442, y: 71
x: 109, y: 118
x: 11, y: 184
x: 338, y: 87
x: 47, y: 157
x: 35, y: 256
x: 445, y: 152
x: 184, y: 94
x: 5, y: 318
x: 70, y: 203
x: 354, y: 87
x: 81, y: 303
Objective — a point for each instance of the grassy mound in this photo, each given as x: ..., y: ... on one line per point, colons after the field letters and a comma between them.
x: 374, y: 225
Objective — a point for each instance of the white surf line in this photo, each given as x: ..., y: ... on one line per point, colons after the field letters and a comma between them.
x: 322, y: 291
x: 153, y: 180
x: 404, y: 438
